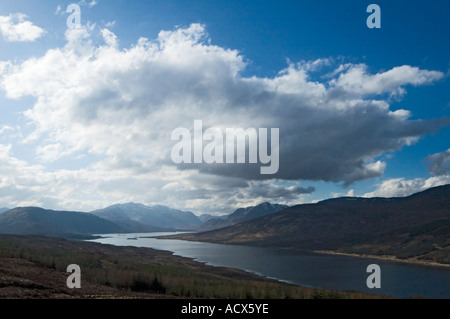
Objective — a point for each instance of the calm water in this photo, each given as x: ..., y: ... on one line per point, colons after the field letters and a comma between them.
x: 305, y: 268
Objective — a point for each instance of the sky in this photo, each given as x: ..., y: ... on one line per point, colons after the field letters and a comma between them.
x: 88, y: 107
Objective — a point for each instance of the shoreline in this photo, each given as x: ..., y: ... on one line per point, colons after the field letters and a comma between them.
x: 409, y: 261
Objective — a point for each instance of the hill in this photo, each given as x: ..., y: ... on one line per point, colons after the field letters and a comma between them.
x: 416, y: 227
x: 157, y: 217
x: 4, y: 209
x: 39, y: 221
x: 242, y: 215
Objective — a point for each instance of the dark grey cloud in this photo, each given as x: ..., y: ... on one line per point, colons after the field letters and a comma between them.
x: 439, y: 163
x: 278, y: 192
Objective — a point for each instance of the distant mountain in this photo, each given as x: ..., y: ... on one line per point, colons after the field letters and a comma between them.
x: 4, y: 209
x: 39, y: 221
x: 417, y: 226
x: 158, y: 217
x: 242, y: 215
x: 206, y: 217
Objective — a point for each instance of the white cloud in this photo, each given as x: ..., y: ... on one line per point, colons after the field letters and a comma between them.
x: 5, y: 128
x: 15, y: 28
x: 119, y: 106
x: 357, y: 81
x: 439, y: 166
x: 400, y: 187
x: 110, y: 24
x: 58, y: 10
x: 109, y: 37
x: 86, y: 3
x: 51, y: 152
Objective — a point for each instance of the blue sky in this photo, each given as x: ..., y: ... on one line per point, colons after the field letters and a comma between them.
x: 87, y: 113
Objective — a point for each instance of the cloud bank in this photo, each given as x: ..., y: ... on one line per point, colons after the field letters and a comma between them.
x: 439, y: 167
x: 16, y: 28
x: 120, y: 106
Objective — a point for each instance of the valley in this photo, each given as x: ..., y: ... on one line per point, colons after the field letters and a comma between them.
x: 37, y: 244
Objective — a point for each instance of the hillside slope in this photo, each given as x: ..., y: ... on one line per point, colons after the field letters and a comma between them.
x: 241, y: 215
x: 39, y: 221
x: 417, y: 226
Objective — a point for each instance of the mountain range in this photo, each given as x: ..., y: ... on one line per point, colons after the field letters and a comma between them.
x: 417, y: 226
x: 39, y: 221
x: 149, y: 218
x: 242, y: 215
x: 120, y: 218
